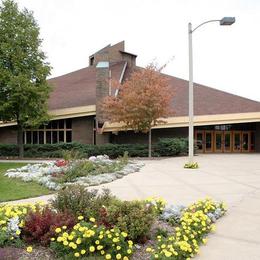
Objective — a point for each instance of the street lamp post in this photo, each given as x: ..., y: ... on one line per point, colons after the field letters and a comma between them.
x: 223, y: 21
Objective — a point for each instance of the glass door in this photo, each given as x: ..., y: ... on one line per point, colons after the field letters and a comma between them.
x: 245, y: 141
x: 227, y: 142
x: 218, y: 142
x: 199, y: 140
x: 237, y: 141
x: 208, y: 141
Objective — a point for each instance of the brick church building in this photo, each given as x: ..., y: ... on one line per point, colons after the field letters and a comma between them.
x: 223, y: 122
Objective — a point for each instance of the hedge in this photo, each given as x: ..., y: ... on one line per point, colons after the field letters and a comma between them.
x: 164, y: 147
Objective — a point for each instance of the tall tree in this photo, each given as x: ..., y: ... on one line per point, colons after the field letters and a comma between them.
x: 143, y: 101
x: 24, y: 90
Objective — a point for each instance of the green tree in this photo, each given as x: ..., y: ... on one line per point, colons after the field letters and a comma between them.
x: 24, y: 90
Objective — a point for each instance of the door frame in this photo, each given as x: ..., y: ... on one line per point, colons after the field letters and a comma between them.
x: 221, y: 150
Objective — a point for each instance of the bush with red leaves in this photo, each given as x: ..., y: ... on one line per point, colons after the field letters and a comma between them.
x: 40, y: 226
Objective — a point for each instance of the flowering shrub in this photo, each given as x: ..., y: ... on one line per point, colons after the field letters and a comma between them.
x: 191, y: 165
x: 12, y: 220
x: 88, y: 239
x: 117, y: 226
x: 40, y: 226
x: 157, y: 203
x: 195, y: 224
x: 61, y: 163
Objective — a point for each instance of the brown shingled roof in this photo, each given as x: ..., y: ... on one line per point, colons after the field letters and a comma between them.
x: 78, y: 89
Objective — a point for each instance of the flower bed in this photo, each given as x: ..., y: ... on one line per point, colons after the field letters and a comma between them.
x: 104, y: 227
x: 94, y: 171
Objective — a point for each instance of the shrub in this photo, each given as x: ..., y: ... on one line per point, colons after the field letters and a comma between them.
x: 191, y: 165
x: 165, y: 147
x: 195, y: 224
x: 89, y: 240
x: 172, y: 146
x: 79, y: 201
x: 12, y: 221
x: 132, y: 217
x: 40, y: 225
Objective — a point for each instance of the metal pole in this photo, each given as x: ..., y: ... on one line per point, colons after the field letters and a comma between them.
x: 191, y: 142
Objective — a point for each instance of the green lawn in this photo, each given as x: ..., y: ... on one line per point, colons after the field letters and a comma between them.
x: 15, y: 189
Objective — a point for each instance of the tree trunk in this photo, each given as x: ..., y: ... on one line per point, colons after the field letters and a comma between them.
x: 20, y: 140
x: 150, y: 144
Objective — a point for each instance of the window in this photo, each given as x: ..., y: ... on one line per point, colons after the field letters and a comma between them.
x: 57, y: 131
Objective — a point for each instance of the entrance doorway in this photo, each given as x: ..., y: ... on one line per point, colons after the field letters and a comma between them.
x: 208, y: 141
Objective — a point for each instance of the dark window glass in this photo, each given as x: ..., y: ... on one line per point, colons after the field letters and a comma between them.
x: 41, y: 127
x: 35, y: 137
x: 48, y: 137
x: 68, y: 123
x: 68, y: 136
x: 28, y: 137
x: 48, y: 126
x: 54, y: 137
x: 61, y: 137
x: 61, y: 124
x: 54, y: 124
x: 252, y: 141
x: 41, y: 137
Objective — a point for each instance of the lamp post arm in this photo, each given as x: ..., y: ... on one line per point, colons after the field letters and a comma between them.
x: 210, y: 21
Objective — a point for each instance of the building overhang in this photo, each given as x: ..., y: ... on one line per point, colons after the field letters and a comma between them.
x: 64, y: 113
x: 174, y: 122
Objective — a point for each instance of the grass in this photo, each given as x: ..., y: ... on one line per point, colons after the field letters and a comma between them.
x: 15, y: 189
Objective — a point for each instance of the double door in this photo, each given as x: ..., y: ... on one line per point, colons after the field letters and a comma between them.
x: 208, y: 141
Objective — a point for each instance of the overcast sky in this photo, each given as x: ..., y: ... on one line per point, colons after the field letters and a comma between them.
x: 225, y: 57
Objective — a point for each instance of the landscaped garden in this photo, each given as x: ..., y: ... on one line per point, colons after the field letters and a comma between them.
x: 85, y: 224
x: 14, y: 189
x: 75, y: 169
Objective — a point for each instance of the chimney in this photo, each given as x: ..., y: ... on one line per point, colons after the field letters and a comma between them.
x: 102, y: 90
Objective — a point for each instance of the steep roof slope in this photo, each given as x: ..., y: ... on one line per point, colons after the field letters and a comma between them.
x: 78, y: 89
x: 208, y: 101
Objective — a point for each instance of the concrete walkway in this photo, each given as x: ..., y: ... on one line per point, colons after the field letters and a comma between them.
x: 233, y: 178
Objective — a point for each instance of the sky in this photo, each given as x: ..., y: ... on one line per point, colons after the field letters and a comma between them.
x: 225, y: 57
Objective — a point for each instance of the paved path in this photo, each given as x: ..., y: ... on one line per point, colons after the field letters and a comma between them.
x: 234, y: 178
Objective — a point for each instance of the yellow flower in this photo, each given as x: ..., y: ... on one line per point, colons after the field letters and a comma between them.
x: 80, y: 217
x: 102, y: 252
x: 83, y: 251
x: 92, y: 220
x: 76, y: 254
x: 148, y: 249
x: 118, y: 256
x: 64, y: 227
x: 65, y: 243
x: 92, y: 249
x: 118, y: 247
x: 129, y: 251
x: 125, y: 258
x: 108, y: 256
x: 29, y: 249
x: 78, y: 241
x: 58, y: 230
x: 124, y: 234
x: 204, y: 240
x: 18, y: 232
